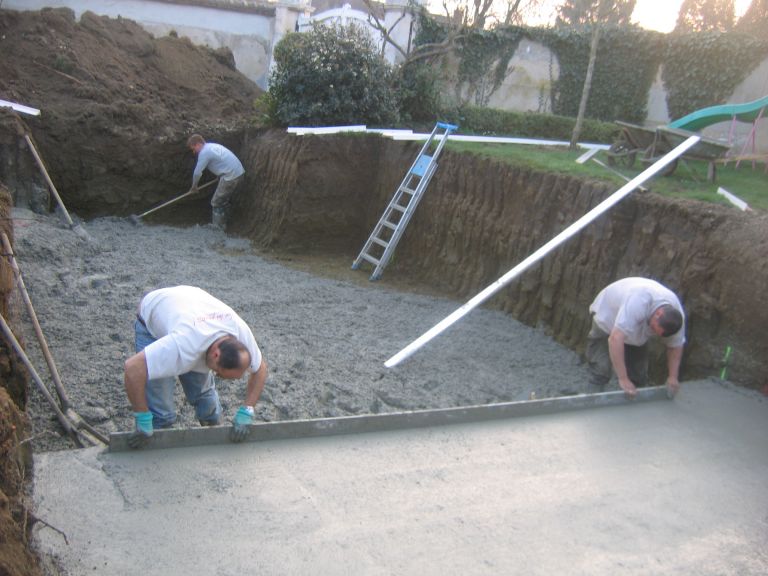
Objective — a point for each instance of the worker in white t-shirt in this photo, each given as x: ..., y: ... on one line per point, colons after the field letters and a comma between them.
x: 183, y: 332
x: 625, y: 315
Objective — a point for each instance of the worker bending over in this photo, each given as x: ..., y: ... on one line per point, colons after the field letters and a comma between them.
x: 185, y: 332
x: 625, y: 315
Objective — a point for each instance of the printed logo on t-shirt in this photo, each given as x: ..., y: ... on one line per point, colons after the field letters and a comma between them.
x: 213, y: 317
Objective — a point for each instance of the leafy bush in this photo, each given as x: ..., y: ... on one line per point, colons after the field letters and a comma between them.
x: 419, y: 89
x: 331, y: 75
x: 265, y: 110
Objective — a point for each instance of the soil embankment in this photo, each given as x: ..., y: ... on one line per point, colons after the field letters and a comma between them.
x: 15, y: 461
x: 479, y: 218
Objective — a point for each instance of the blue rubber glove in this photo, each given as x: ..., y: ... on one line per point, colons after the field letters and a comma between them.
x: 241, y: 424
x: 143, y: 433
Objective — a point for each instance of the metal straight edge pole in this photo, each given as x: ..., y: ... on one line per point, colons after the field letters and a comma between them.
x: 566, y: 234
x: 388, y: 421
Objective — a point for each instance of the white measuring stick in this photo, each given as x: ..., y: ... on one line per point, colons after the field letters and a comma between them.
x: 541, y: 252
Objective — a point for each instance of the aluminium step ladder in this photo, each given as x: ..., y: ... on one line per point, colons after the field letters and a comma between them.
x: 380, y: 246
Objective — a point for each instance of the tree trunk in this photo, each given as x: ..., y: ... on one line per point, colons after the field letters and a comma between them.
x: 587, y: 87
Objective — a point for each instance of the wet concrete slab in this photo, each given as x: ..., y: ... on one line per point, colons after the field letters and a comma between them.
x: 673, y: 487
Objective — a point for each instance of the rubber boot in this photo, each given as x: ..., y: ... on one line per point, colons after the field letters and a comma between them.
x: 219, y: 218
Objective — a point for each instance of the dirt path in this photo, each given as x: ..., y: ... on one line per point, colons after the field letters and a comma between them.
x: 325, y: 338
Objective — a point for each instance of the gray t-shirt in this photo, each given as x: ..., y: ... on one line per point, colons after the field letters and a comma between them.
x: 218, y: 160
x: 628, y: 305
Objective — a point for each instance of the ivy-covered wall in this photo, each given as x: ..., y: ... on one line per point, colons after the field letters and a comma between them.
x: 627, y: 62
x: 703, y: 69
x: 698, y: 70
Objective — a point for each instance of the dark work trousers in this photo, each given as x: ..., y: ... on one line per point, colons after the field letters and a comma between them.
x: 599, y: 359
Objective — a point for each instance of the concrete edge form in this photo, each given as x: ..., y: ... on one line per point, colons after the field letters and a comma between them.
x: 184, y: 438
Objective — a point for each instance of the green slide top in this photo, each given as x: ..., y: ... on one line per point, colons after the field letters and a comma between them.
x: 747, y: 112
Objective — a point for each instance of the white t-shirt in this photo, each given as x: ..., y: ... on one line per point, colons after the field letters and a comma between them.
x: 628, y: 305
x: 185, y: 321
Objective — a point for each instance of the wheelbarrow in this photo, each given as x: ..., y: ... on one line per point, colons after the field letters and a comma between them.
x: 706, y: 150
x: 632, y: 140
x: 650, y: 144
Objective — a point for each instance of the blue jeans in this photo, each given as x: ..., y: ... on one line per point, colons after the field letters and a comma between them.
x: 599, y: 359
x: 199, y: 389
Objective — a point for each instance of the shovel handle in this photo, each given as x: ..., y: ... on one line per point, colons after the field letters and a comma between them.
x: 51, y: 185
x: 172, y: 200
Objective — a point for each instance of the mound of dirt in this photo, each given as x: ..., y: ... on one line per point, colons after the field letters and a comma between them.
x: 117, y: 104
x: 110, y: 75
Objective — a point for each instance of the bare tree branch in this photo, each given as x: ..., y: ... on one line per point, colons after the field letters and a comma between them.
x: 422, y: 52
x: 512, y: 8
x: 480, y: 14
x: 386, y: 34
x: 433, y: 49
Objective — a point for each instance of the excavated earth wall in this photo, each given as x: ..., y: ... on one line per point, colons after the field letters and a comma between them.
x: 480, y: 217
x: 15, y: 456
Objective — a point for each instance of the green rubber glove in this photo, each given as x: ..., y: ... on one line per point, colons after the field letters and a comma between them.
x: 241, y: 424
x: 143, y: 433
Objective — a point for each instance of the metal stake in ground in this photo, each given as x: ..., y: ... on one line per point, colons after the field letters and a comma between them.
x: 570, y: 231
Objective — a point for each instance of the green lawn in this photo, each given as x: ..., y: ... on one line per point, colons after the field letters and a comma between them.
x: 689, y: 180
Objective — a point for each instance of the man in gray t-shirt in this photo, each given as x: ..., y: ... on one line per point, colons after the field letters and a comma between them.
x: 625, y: 315
x: 224, y: 164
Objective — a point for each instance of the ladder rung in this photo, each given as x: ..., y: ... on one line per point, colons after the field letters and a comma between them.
x: 415, y: 182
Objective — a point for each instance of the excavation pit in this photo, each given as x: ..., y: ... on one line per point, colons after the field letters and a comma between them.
x: 112, y: 132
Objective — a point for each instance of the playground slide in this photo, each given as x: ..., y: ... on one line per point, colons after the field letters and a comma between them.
x: 747, y: 112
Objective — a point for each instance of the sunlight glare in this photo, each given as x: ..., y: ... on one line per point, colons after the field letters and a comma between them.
x: 650, y: 14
